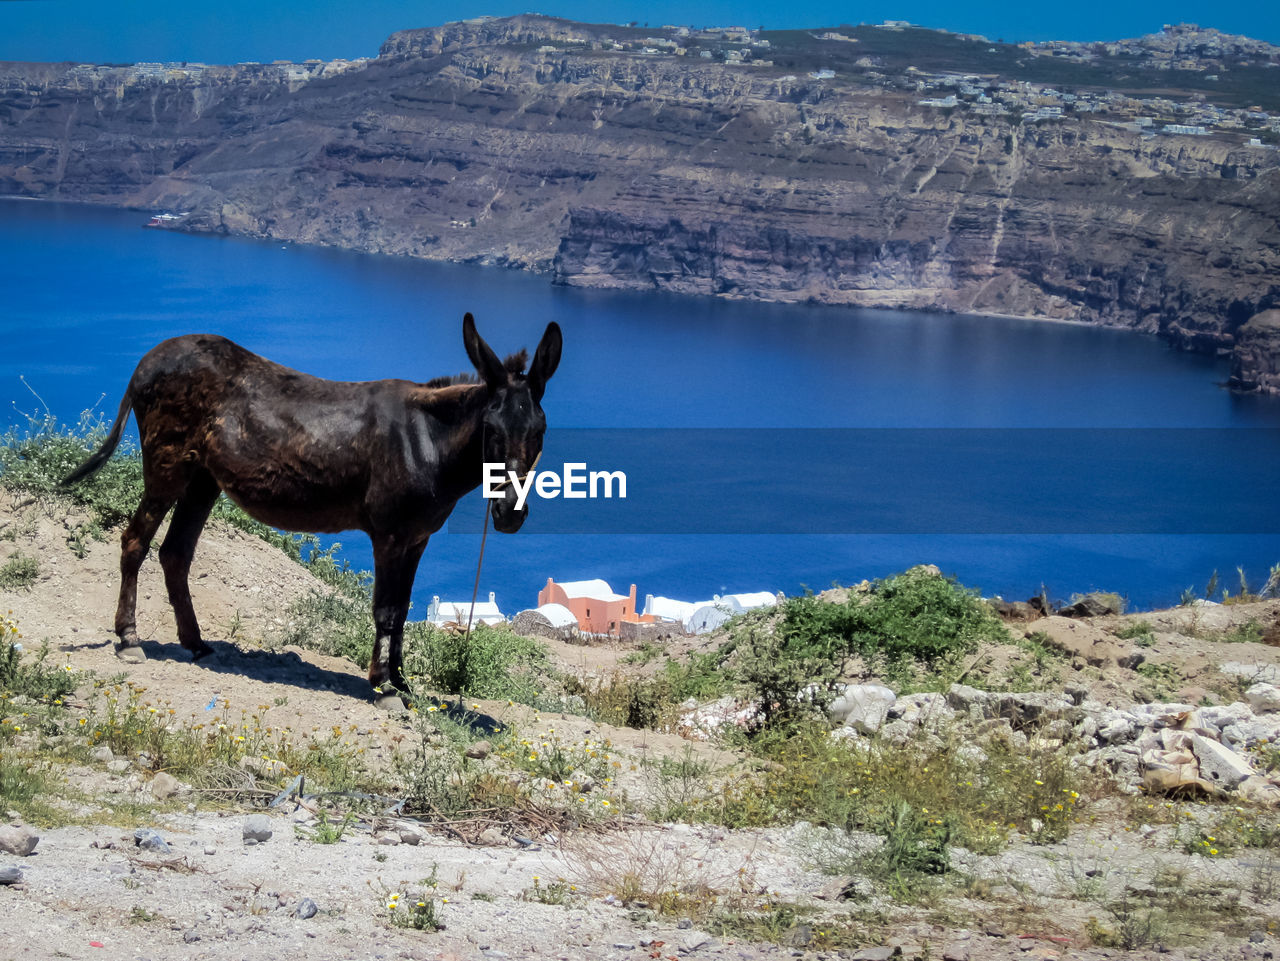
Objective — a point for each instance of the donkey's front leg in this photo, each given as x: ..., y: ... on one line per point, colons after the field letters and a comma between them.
x: 395, y: 565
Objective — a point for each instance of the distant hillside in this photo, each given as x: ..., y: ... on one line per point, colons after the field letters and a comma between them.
x: 1132, y: 184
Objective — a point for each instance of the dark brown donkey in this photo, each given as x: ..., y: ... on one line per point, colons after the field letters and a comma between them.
x: 388, y: 457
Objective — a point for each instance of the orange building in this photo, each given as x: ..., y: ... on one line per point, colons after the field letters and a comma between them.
x: 598, y: 609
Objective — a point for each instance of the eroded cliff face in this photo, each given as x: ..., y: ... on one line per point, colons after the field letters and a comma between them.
x: 516, y: 142
x: 1255, y: 361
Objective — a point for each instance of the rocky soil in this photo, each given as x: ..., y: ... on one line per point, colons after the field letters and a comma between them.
x: 531, y: 142
x: 104, y: 887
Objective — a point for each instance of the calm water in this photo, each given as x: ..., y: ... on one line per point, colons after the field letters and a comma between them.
x: 86, y: 293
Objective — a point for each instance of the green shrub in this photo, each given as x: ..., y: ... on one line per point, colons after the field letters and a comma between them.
x: 35, y: 680
x: 788, y: 681
x: 979, y: 798
x: 653, y: 703
x: 916, y: 614
x: 333, y: 623
x: 493, y: 663
x: 36, y: 459
x: 913, y: 841
x: 19, y: 572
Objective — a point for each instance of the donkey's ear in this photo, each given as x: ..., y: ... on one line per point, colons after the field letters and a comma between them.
x: 482, y: 356
x: 545, y: 360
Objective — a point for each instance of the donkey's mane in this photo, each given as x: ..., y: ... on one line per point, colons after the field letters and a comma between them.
x: 514, y: 363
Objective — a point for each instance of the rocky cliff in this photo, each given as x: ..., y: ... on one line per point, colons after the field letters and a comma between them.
x: 583, y: 152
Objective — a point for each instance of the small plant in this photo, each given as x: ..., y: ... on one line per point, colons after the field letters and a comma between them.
x: 326, y: 831
x: 19, y: 572
x: 1211, y: 588
x: 1272, y: 587
x: 558, y: 891
x: 640, y: 868
x: 556, y: 760
x: 913, y: 841
x: 420, y: 910
x: 1140, y: 631
x: 1134, y: 925
x: 1245, y: 595
x: 35, y: 680
x: 1247, y: 633
x: 680, y: 787
x: 646, y: 652
x: 1164, y: 678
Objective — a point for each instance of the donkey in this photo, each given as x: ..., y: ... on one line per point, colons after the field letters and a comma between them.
x: 388, y: 457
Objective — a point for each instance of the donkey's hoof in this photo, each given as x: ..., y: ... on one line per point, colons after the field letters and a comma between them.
x: 198, y: 650
x: 391, y: 703
x: 132, y: 653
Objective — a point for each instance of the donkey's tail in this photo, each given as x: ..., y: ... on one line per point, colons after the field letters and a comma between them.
x: 103, y: 453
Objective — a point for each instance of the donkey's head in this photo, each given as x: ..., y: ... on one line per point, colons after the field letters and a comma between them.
x: 513, y: 418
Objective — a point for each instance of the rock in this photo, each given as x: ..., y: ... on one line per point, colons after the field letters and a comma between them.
x: 862, y: 707
x: 1116, y: 727
x: 1016, y: 610
x: 257, y: 828
x: 1078, y: 639
x: 191, y: 936
x: 389, y: 840
x: 164, y: 786
x: 1165, y: 772
x: 493, y: 836
x: 971, y: 754
x: 1255, y: 355
x: 955, y: 951
x: 929, y: 709
x: 693, y: 941
x: 209, y: 849
x: 838, y: 889
x: 1020, y: 709
x: 118, y: 766
x: 1263, y: 698
x: 1097, y: 604
x: 10, y: 876
x: 706, y: 721
x: 874, y: 954
x: 150, y: 840
x: 18, y: 840
x: 1259, y: 790
x: 411, y: 834
x: 996, y: 728
x: 305, y: 910
x: 479, y: 750
x: 102, y: 754
x: 1220, y: 765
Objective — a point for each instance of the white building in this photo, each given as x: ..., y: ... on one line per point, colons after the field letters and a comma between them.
x: 440, y: 613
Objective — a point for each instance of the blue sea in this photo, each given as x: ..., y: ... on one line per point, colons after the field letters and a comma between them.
x: 766, y: 447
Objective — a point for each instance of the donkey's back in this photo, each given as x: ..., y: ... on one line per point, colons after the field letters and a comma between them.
x: 295, y: 451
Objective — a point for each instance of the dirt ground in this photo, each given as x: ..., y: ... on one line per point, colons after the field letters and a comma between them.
x: 91, y: 892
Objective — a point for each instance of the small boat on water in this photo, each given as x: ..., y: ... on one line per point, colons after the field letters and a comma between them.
x: 163, y: 220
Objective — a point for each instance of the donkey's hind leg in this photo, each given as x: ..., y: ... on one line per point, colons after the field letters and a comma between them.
x: 175, y: 557
x: 134, y: 543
